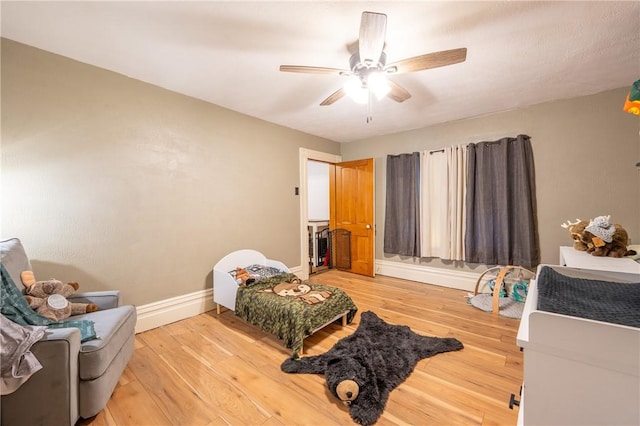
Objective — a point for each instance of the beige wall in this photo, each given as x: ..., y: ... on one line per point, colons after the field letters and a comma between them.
x: 119, y: 184
x: 585, y: 151
x: 116, y: 183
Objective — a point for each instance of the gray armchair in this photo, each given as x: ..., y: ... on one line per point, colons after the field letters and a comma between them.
x: 77, y: 379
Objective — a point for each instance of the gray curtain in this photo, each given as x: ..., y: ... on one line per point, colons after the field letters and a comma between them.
x: 402, y: 209
x: 502, y: 226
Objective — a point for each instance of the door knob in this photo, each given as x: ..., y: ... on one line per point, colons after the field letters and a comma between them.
x: 368, y: 226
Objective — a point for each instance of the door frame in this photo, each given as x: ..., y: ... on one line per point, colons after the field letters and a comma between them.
x: 306, y: 155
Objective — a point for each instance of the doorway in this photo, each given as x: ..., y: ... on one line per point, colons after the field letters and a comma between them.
x: 351, y: 201
x: 307, y: 155
x: 318, y: 209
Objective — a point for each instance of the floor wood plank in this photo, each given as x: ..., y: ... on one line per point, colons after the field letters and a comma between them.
x: 217, y: 370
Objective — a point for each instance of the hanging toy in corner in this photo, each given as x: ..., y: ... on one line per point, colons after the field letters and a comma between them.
x: 632, y: 103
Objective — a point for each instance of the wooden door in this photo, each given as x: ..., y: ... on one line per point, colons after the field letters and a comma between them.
x: 352, y: 208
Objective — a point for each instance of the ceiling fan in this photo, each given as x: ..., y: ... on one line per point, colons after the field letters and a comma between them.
x: 368, y: 66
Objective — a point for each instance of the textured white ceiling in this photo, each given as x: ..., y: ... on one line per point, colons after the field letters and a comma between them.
x: 228, y: 53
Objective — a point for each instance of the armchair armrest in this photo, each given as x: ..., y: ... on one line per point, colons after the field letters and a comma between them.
x: 104, y: 299
x: 55, y: 386
x: 64, y: 339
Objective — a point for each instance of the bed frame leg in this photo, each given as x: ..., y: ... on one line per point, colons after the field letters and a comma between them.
x: 344, y: 320
x: 218, y: 308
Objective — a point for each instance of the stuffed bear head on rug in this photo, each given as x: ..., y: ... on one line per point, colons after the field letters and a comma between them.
x: 357, y: 369
x: 49, y: 298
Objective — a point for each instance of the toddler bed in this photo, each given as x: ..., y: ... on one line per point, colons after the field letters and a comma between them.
x: 277, y: 301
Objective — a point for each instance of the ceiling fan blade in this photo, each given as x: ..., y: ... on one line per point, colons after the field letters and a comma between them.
x: 353, y: 47
x: 428, y: 61
x: 373, y: 27
x: 312, y: 70
x: 397, y: 92
x: 338, y: 94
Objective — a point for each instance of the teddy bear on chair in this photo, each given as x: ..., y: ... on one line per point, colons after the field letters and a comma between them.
x: 49, y: 298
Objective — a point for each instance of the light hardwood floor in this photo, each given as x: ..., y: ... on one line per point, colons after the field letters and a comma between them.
x: 216, y: 370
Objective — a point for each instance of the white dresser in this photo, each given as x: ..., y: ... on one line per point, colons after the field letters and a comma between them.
x: 581, y: 259
x: 578, y: 371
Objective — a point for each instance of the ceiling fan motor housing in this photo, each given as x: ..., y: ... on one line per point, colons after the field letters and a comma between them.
x: 363, y: 69
x: 357, y: 65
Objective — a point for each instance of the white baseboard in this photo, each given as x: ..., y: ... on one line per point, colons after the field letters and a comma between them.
x: 166, y: 311
x: 426, y: 274
x: 163, y: 312
x: 296, y: 270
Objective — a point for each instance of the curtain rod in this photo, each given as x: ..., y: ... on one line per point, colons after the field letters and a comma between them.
x: 443, y: 149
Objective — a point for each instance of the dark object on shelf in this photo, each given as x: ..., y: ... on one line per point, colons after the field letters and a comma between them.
x: 322, y: 243
x: 334, y: 248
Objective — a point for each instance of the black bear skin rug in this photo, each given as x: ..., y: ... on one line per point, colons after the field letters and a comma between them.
x: 362, y: 369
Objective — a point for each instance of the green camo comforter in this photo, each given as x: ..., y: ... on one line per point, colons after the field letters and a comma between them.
x: 291, y: 310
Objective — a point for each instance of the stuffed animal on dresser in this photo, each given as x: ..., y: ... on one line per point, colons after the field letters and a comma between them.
x: 576, y: 229
x: 599, y: 237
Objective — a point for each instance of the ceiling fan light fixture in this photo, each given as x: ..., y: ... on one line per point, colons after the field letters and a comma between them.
x: 378, y: 85
x: 356, y: 90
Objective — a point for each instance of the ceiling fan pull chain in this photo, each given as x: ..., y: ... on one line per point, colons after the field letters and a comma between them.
x: 369, y: 108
